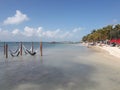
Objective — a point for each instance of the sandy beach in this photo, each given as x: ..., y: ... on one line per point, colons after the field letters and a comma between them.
x: 70, y: 67
x: 115, y: 51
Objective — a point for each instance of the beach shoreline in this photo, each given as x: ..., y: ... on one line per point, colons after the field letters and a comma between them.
x: 114, y: 51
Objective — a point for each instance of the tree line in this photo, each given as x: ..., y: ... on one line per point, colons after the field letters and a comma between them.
x: 106, y: 33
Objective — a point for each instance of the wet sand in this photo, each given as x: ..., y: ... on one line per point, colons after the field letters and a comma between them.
x: 65, y: 68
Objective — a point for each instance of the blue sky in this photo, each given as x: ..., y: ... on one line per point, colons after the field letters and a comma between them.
x: 55, y: 20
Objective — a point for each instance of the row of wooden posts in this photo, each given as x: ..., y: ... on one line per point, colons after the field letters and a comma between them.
x: 21, y: 46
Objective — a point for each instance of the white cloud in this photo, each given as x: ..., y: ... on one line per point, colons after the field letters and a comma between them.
x: 5, y: 35
x: 39, y: 31
x: 65, y: 35
x: 19, y: 17
x: 15, y: 32
x: 51, y: 34
x: 30, y: 33
x: 4, y: 32
x: 77, y: 29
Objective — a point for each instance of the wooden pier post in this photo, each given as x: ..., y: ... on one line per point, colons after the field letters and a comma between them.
x: 6, y: 50
x: 21, y: 49
x: 32, y: 47
x: 41, y: 48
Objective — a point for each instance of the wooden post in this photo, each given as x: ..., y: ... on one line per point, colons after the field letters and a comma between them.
x: 32, y: 47
x: 21, y: 49
x: 41, y: 48
x: 6, y: 50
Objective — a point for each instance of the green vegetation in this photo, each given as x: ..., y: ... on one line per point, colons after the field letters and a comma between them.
x: 106, y: 33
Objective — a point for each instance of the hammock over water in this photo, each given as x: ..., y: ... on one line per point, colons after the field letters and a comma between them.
x: 29, y: 51
x: 15, y: 53
x: 26, y: 51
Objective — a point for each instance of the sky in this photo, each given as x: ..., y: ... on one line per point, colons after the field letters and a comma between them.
x: 55, y: 20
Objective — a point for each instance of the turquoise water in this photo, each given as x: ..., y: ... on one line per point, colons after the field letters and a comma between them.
x: 15, y: 45
x: 62, y: 67
x: 52, y: 71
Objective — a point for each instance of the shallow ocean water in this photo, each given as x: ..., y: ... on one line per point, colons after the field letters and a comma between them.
x: 62, y: 67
